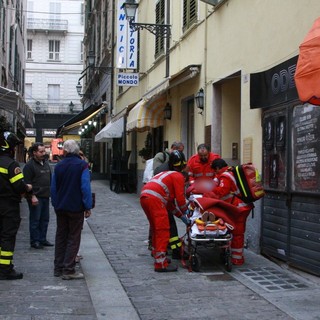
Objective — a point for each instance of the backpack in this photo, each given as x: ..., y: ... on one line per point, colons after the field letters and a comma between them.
x: 248, y: 182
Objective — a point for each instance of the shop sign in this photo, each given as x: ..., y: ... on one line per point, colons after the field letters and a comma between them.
x: 128, y: 79
x: 274, y: 86
x: 49, y: 132
x: 30, y: 132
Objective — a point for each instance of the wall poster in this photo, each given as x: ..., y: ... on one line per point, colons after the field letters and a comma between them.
x: 306, y: 148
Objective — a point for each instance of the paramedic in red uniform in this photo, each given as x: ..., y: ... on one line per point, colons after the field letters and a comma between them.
x: 227, y: 191
x: 162, y: 194
x: 199, y: 165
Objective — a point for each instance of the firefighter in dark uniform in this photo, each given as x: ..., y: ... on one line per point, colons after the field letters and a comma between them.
x: 12, y: 186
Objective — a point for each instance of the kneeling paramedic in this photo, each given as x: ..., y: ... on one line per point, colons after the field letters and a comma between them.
x: 228, y: 191
x: 162, y: 194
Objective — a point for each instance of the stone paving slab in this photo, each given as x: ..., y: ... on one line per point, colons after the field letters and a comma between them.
x: 40, y: 295
x: 121, y: 229
x: 120, y: 279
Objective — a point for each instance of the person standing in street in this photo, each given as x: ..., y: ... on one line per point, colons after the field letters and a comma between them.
x: 163, y: 193
x: 71, y: 198
x: 163, y: 157
x: 37, y: 172
x: 12, y: 186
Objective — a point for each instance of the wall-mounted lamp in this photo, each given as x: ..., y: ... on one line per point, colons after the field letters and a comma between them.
x: 167, y: 112
x: 199, y: 100
x: 159, y: 30
x: 79, y: 89
x: 91, y: 61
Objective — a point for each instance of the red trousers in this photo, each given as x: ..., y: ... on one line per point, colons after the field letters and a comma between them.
x: 157, y: 215
x: 237, y: 242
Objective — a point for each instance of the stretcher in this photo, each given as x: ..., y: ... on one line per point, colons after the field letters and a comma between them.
x: 210, y: 229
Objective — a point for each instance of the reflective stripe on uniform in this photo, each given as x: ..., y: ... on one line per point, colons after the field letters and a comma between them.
x: 209, y: 174
x: 16, y: 178
x: 162, y: 185
x: 156, y: 194
x: 160, y: 257
x: 175, y: 242
x: 3, y: 170
x: 6, y: 257
x: 237, y: 253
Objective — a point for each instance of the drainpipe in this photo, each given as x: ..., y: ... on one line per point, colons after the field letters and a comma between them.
x: 168, y: 40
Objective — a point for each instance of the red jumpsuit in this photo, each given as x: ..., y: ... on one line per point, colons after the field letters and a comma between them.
x: 157, y: 196
x: 201, y: 170
x: 226, y: 190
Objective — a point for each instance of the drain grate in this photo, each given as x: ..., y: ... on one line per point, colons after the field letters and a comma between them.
x: 271, y: 279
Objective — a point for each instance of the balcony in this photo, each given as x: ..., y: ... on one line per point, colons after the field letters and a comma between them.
x: 47, y: 25
x: 53, y: 108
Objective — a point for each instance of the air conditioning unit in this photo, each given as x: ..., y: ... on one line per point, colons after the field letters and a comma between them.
x: 212, y: 2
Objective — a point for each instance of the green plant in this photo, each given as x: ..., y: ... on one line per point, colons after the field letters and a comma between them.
x: 146, y: 151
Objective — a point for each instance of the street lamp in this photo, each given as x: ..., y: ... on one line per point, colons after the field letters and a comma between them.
x: 167, y: 111
x: 158, y: 29
x: 199, y: 100
x: 91, y: 59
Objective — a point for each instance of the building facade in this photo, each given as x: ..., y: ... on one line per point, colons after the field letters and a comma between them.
x: 13, y: 107
x: 54, y: 62
x: 241, y: 55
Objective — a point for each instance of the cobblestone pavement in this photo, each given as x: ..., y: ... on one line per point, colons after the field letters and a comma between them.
x: 40, y: 295
x: 121, y: 229
x: 260, y: 289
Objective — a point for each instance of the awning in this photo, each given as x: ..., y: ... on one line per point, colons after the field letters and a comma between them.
x: 12, y: 101
x: 79, y: 119
x: 146, y: 114
x: 114, y: 129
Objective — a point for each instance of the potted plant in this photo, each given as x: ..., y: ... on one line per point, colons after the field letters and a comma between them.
x: 146, y: 151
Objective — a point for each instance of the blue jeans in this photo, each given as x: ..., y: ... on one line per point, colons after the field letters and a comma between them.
x: 39, y: 220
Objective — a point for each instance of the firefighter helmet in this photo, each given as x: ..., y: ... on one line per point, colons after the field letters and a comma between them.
x: 177, y: 160
x: 8, y: 141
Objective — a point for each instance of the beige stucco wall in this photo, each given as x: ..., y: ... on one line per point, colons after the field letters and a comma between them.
x: 241, y: 36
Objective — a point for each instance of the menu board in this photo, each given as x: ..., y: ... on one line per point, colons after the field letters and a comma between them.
x: 306, y: 148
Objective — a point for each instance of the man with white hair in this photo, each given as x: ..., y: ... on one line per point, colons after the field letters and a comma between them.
x: 72, y: 200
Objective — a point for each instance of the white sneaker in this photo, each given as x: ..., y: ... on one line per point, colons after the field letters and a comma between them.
x: 73, y: 276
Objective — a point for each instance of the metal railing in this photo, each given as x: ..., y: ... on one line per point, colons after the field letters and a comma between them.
x: 47, y: 24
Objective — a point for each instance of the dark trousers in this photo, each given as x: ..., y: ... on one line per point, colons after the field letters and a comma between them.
x: 39, y: 220
x: 9, y: 225
x: 67, y: 243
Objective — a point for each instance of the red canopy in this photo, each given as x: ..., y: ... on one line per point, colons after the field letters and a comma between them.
x: 307, y: 76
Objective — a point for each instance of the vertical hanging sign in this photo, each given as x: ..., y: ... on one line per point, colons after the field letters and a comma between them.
x: 126, y: 41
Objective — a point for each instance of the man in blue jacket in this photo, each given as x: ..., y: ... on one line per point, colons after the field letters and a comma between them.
x: 72, y: 200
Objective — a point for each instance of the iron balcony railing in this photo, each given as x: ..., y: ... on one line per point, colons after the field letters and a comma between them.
x: 47, y: 24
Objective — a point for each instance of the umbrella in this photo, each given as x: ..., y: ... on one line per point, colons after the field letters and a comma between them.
x: 307, y: 75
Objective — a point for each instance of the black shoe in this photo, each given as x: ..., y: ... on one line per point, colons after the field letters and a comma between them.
x: 47, y: 244
x: 57, y: 273
x: 176, y: 255
x: 169, y: 268
x: 11, y: 275
x: 36, y: 245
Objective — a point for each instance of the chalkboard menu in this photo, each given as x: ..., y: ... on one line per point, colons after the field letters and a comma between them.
x: 306, y: 148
